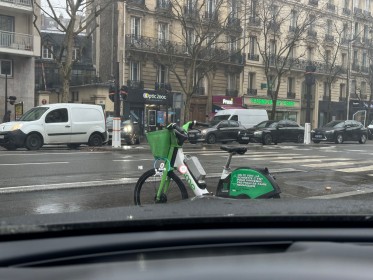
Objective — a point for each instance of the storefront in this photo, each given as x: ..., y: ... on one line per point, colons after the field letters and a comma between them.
x: 336, y: 109
x: 152, y: 109
x: 226, y: 102
x: 285, y: 109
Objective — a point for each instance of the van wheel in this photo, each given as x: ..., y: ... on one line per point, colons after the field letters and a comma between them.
x: 95, y: 140
x: 33, y: 142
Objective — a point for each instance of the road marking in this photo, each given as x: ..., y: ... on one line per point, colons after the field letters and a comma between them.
x: 297, y: 161
x: 33, y: 163
x: 124, y: 160
x: 339, y: 195
x: 42, y: 154
x: 326, y: 164
x: 356, y: 169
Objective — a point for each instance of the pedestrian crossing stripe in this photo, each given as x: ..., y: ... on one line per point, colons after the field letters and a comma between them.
x: 331, y: 164
x: 356, y: 169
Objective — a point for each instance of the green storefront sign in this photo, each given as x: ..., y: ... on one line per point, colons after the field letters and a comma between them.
x: 268, y: 102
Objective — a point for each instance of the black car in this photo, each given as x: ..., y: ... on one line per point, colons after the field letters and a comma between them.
x: 224, y: 131
x: 268, y: 132
x: 129, y: 131
x: 340, y: 131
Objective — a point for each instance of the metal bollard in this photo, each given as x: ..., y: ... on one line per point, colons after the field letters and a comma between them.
x: 307, y: 133
x: 115, y: 140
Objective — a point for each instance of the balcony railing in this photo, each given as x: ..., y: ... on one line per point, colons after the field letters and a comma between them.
x: 290, y: 95
x: 364, y: 69
x: 346, y: 11
x: 211, y: 16
x: 233, y: 22
x: 329, y: 38
x: 330, y: 7
x: 274, y: 26
x: 190, y: 11
x: 135, y: 84
x: 140, y: 3
x: 163, y: 5
x: 16, y: 41
x: 312, y: 34
x: 200, y: 91
x: 252, y: 92
x: 162, y: 86
x: 231, y: 92
x: 367, y: 14
x: 254, y: 57
x: 18, y: 2
x: 254, y: 21
x: 355, y: 67
x: 358, y: 12
x: 313, y: 2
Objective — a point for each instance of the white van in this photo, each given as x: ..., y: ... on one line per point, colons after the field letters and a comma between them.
x: 247, y: 117
x: 61, y: 123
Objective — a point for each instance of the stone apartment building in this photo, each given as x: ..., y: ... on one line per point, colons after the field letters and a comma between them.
x: 19, y: 45
x: 136, y: 34
x: 337, y: 43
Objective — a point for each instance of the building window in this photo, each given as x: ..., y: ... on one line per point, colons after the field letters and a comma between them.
x: 353, y: 86
x: 6, y: 67
x: 294, y: 19
x: 232, y: 82
x: 356, y: 29
x: 162, y: 74
x: 210, y: 7
x: 162, y: 32
x: 329, y: 27
x: 328, y: 55
x: 363, y: 89
x: 135, y: 71
x: 135, y: 27
x: 342, y: 91
x: 47, y: 52
x: 253, y: 8
x: 344, y: 60
x: 355, y: 58
x: 232, y: 43
x: 364, y: 60
x: 74, y: 96
x: 252, y: 81
x: 291, y: 84
x: 309, y: 54
x: 252, y: 45
x: 76, y: 54
x: 326, y: 89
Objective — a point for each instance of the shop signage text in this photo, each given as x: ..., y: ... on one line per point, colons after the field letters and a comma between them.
x: 264, y: 102
x: 154, y: 96
x: 228, y: 101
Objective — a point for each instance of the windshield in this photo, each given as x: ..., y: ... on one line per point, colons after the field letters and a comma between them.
x: 33, y: 114
x: 335, y: 124
x: 254, y: 102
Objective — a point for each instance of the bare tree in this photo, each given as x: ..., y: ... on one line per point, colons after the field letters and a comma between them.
x: 208, y: 36
x: 285, y: 28
x: 80, y: 15
x: 329, y: 50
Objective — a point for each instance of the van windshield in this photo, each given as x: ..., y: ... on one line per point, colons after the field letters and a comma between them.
x: 218, y: 119
x: 33, y: 114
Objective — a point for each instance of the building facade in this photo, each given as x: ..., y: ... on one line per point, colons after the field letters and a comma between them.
x: 145, y: 32
x: 334, y: 37
x: 19, y: 45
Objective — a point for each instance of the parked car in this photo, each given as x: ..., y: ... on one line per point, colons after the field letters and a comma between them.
x: 339, y: 131
x: 370, y: 130
x: 129, y: 131
x: 268, y: 132
x: 224, y: 131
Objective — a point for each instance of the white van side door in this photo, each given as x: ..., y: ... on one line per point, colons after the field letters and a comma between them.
x: 57, y: 126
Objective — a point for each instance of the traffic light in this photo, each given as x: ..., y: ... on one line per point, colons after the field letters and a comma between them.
x: 112, y: 92
x: 12, y: 99
x: 123, y: 92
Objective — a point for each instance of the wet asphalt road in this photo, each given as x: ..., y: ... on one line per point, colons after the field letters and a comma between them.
x: 55, y: 180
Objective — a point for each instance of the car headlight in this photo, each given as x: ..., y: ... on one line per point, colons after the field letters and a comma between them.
x: 127, y: 128
x: 204, y: 131
x: 312, y: 131
x: 258, y: 133
x: 329, y: 131
x: 16, y: 126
